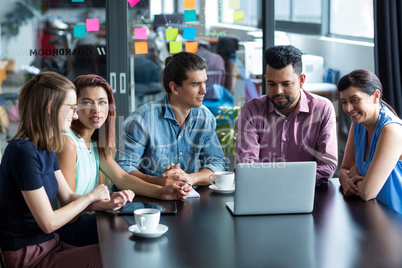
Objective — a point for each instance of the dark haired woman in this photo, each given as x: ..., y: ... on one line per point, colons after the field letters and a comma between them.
x: 372, y: 163
x: 91, y: 141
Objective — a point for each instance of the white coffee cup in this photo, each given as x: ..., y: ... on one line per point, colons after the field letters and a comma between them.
x: 223, y: 179
x: 147, y: 219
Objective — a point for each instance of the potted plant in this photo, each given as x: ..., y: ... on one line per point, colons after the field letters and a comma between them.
x: 225, y: 123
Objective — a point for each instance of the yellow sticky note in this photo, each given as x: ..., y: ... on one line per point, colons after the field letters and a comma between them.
x: 189, y: 4
x: 175, y: 47
x: 238, y: 16
x: 234, y: 4
x: 192, y: 47
x: 141, y: 47
x: 172, y: 33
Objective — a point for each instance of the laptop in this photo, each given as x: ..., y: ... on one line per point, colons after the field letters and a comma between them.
x: 274, y: 188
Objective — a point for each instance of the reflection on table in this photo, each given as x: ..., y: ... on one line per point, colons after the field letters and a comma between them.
x: 341, y: 232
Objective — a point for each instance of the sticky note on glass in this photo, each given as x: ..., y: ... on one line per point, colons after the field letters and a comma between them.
x: 140, y: 33
x: 189, y: 4
x: 133, y: 2
x: 190, y: 15
x: 80, y: 30
x: 141, y: 47
x: 234, y: 4
x: 238, y: 16
x: 172, y: 33
x: 188, y: 33
x: 92, y: 25
x: 175, y: 47
x: 192, y: 47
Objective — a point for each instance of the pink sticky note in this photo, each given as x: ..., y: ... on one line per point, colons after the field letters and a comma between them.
x: 133, y: 2
x: 140, y: 33
x: 92, y: 25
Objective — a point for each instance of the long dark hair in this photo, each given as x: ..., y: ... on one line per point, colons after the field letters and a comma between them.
x: 105, y: 136
x: 177, y: 66
x: 366, y: 81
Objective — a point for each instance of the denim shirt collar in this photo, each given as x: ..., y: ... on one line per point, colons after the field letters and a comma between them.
x: 167, y: 109
x: 168, y: 112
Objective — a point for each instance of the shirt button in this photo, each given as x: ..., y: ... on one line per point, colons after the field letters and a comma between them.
x: 286, y: 120
x: 181, y: 153
x: 284, y: 139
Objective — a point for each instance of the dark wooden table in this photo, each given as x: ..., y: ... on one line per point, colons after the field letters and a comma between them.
x: 341, y: 232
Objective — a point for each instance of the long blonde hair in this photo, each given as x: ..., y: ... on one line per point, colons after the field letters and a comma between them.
x: 38, y: 125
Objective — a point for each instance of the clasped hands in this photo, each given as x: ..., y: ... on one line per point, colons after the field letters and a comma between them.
x: 177, y: 182
x: 174, y: 173
x: 351, y: 187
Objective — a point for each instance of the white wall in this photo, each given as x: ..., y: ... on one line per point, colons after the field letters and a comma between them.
x: 342, y: 55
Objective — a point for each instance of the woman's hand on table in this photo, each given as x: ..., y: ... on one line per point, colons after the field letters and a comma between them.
x: 351, y: 188
x: 119, y: 199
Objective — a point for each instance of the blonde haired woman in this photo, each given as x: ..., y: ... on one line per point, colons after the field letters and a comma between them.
x: 30, y: 178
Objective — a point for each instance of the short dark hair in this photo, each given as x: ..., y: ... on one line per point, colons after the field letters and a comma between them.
x: 279, y: 57
x: 177, y: 66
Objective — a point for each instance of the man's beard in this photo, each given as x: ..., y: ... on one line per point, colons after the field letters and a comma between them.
x: 284, y: 105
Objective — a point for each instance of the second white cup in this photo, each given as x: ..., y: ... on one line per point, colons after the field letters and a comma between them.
x: 147, y: 219
x: 223, y: 179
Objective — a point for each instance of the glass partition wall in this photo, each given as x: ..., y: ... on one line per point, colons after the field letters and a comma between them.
x: 64, y: 36
x: 127, y: 41
x: 227, y: 34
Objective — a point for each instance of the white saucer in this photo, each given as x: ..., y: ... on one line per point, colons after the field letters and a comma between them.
x: 223, y: 191
x: 160, y: 230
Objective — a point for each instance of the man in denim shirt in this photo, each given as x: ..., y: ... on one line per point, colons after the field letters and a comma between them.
x: 173, y: 138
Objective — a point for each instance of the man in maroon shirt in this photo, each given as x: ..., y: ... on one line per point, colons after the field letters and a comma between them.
x: 288, y: 124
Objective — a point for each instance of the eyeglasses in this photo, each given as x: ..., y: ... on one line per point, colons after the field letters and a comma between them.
x: 73, y: 106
